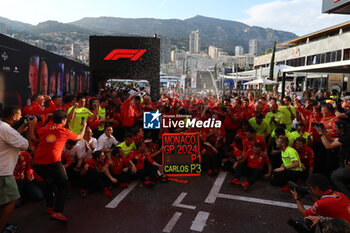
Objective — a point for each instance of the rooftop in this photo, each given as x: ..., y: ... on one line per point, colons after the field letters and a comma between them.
x: 334, y: 30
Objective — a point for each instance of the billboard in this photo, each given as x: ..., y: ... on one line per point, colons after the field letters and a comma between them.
x: 26, y: 70
x: 336, y: 6
x: 118, y: 57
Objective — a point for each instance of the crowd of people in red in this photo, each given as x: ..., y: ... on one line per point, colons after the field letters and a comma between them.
x: 96, y: 142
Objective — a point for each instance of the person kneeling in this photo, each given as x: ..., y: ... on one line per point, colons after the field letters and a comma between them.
x: 252, y: 164
x: 117, y: 167
x: 143, y: 166
x: 94, y: 178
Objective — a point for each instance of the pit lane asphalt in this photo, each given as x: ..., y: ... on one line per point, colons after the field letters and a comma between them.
x: 150, y: 210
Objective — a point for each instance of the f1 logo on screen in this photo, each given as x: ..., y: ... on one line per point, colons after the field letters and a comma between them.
x: 151, y: 120
x: 132, y: 54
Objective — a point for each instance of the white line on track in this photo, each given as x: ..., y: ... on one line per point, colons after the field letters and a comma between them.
x: 214, y: 193
x: 169, y: 227
x: 216, y: 188
x: 115, y: 202
x: 177, y: 202
x: 260, y: 201
x: 199, y: 222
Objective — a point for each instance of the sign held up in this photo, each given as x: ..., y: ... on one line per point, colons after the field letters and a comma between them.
x: 181, y: 154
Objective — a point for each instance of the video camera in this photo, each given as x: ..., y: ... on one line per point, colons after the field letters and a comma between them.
x: 24, y: 120
x: 301, y: 226
x: 301, y: 190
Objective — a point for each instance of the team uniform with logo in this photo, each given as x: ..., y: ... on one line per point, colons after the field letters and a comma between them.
x: 47, y: 163
x: 332, y: 204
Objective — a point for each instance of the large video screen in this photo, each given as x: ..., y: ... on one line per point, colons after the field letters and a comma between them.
x: 26, y: 70
x: 125, y: 58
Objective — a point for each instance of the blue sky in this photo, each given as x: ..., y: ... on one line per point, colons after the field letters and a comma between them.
x: 298, y: 16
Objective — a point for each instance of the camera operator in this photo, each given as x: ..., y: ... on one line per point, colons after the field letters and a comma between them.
x: 330, y: 225
x: 343, y: 112
x: 340, y: 176
x: 11, y: 143
x: 329, y: 203
x: 37, y: 108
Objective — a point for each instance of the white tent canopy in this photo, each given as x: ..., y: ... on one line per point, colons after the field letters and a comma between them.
x: 261, y: 81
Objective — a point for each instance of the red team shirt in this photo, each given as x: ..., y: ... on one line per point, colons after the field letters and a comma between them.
x: 24, y: 165
x: 256, y: 161
x: 332, y: 204
x: 52, y: 139
x: 140, y: 157
x: 94, y: 165
x: 248, y: 145
x: 306, y: 156
x: 117, y: 164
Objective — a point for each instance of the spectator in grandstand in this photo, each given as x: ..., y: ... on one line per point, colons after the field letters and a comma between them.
x: 290, y: 168
x: 252, y: 164
x: 93, y: 172
x: 329, y: 203
x: 47, y: 162
x: 11, y: 142
x: 128, y: 145
x: 78, y: 114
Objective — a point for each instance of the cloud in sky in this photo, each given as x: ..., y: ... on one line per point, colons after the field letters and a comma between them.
x: 298, y: 16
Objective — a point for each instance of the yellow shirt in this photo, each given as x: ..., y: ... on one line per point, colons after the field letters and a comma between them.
x: 76, y: 124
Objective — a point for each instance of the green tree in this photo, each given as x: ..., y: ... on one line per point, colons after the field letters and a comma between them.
x: 215, y: 72
x: 267, y: 51
x: 272, y: 63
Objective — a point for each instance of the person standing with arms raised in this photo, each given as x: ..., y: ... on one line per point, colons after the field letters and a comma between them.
x: 47, y: 162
